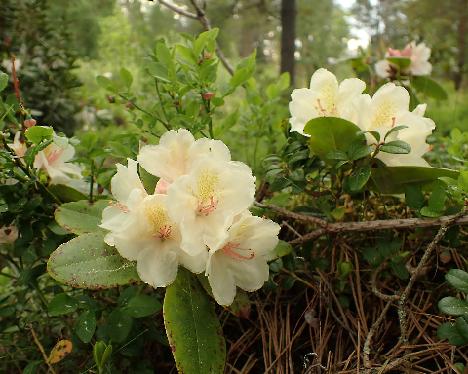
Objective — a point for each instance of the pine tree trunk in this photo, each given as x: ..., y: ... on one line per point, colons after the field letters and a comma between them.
x: 461, y: 44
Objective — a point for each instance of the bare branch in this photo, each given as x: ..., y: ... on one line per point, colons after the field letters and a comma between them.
x: 177, y: 9
x: 406, y: 223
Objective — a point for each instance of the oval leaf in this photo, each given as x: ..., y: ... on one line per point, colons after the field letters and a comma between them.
x: 85, y: 326
x: 429, y: 87
x: 62, y: 304
x: 396, y: 147
x: 88, y: 262
x: 458, y: 279
x: 329, y: 134
x: 192, y: 327
x: 80, y: 217
x: 453, y: 306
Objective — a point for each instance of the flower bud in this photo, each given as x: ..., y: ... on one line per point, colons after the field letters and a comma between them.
x: 29, y: 122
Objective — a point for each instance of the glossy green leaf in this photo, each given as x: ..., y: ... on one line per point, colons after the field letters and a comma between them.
x: 88, y: 262
x: 458, y: 279
x: 62, y: 304
x: 243, y: 71
x: 85, y: 326
x: 205, y: 40
x: 392, y: 180
x: 429, y: 87
x: 359, y: 177
x: 283, y: 248
x: 142, y: 306
x: 453, y: 306
x: 192, y: 327
x: 66, y: 194
x: 329, y: 134
x: 396, y: 147
x: 80, y: 217
x: 414, y: 197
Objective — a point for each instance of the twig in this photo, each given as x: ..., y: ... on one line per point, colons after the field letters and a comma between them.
x: 329, y: 228
x: 375, y: 289
x: 373, y: 329
x: 200, y: 16
x: 422, y: 262
x: 41, y: 348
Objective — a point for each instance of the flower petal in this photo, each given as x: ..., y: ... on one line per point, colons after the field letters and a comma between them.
x: 221, y: 280
x: 156, y: 267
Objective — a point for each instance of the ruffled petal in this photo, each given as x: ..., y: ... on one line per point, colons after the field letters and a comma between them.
x: 221, y: 280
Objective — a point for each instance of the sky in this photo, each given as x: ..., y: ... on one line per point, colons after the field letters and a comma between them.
x: 361, y: 37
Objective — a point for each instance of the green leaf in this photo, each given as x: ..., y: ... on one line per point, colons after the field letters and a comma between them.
x: 37, y: 134
x: 456, y: 333
x: 428, y: 212
x: 243, y: 71
x: 126, y: 77
x: 142, y: 306
x: 329, y: 134
x: 105, y: 83
x: 337, y: 155
x: 101, y: 353
x: 88, y: 262
x: 119, y: 326
x: 62, y: 304
x: 206, y: 40
x: 458, y: 279
x: 429, y: 87
x: 396, y: 147
x: 66, y: 194
x: 192, y: 327
x: 414, y: 197
x: 283, y: 248
x: 453, y: 306
x: 358, y: 149
x: 394, y: 129
x: 3, y: 80
x: 437, y: 199
x: 393, y: 180
x: 81, y: 217
x: 359, y: 177
x: 401, y: 62
x: 85, y: 326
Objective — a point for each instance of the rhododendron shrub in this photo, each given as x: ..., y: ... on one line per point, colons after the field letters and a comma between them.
x: 177, y: 213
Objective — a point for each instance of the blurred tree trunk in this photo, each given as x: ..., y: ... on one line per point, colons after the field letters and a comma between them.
x: 461, y: 43
x: 288, y: 36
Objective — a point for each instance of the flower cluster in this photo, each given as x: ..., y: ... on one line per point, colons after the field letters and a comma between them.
x: 387, y: 108
x: 419, y: 61
x: 197, y: 217
x: 55, y: 160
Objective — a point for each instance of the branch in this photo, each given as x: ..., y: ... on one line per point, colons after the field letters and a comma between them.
x: 334, y: 228
x: 177, y: 9
x: 200, y: 16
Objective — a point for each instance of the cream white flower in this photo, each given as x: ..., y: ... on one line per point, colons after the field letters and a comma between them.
x: 387, y: 108
x: 18, y: 146
x: 418, y: 54
x: 8, y: 234
x: 205, y: 201
x: 141, y: 230
x: 324, y: 98
x: 241, y: 258
x: 55, y: 160
x: 176, y: 152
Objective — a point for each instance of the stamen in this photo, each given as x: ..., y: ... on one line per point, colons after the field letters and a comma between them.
x: 165, y: 232
x: 209, y: 208
x: 230, y: 250
x: 393, y: 121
